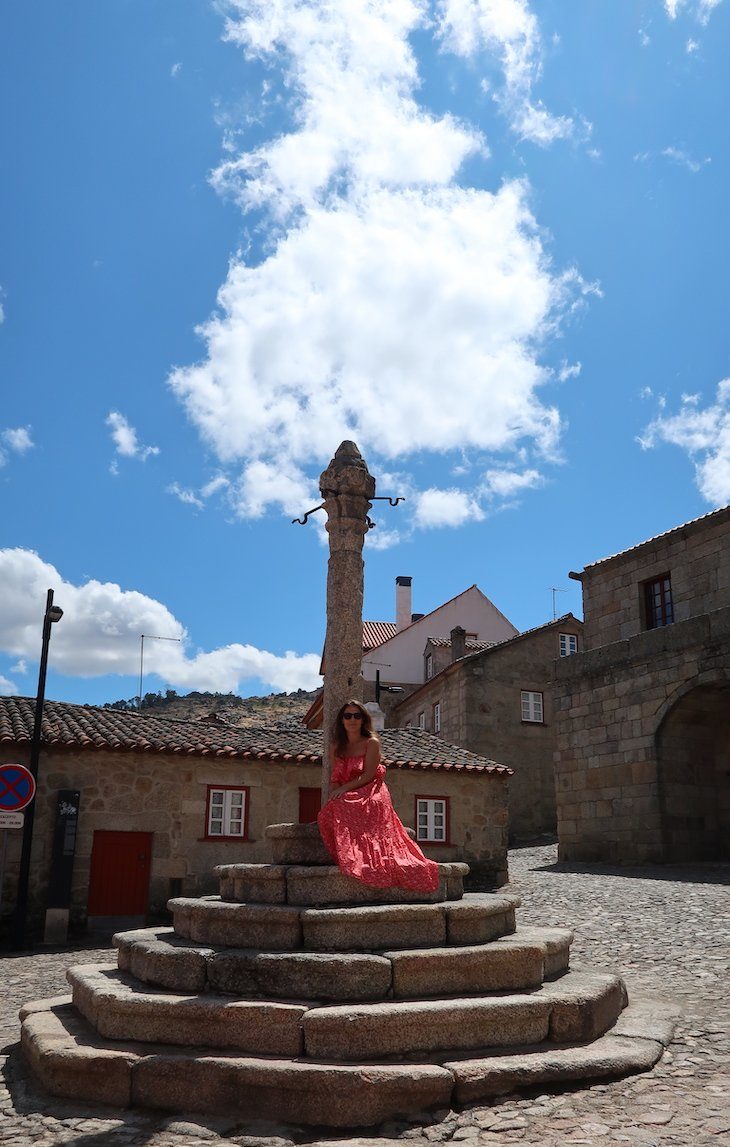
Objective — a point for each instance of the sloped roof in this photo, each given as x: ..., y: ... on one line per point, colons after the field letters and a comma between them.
x: 88, y: 727
x: 723, y: 512
x: 494, y: 647
x: 423, y: 619
x: 374, y: 633
x: 473, y: 646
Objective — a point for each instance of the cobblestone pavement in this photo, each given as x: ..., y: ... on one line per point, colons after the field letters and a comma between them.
x: 665, y: 929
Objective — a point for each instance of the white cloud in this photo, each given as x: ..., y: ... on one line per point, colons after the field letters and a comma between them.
x: 394, y: 306
x: 569, y: 370
x: 704, y: 433
x: 677, y: 155
x: 20, y: 666
x: 187, y: 497
x: 509, y: 30
x: 446, y: 508
x: 700, y: 9
x: 176, y: 69
x: 507, y: 483
x: 101, y: 627
x: 125, y: 439
x: 17, y: 440
x: 7, y: 688
x: 691, y: 46
x: 684, y: 159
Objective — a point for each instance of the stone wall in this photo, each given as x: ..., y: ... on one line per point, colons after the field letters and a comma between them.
x: 633, y: 716
x: 481, y: 711
x: 166, y: 795
x: 697, y: 557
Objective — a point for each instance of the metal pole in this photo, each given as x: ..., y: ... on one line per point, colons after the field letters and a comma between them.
x: 141, y: 669
x: 21, y: 904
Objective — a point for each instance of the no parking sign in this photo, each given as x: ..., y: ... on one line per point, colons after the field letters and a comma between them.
x: 17, y: 789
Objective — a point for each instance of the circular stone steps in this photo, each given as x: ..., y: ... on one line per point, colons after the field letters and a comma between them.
x: 320, y: 885
x: 275, y: 1000
x: 579, y: 1006
x: 475, y: 919
x: 159, y: 958
x: 72, y: 1061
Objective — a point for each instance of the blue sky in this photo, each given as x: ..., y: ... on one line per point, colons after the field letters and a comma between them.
x: 487, y: 239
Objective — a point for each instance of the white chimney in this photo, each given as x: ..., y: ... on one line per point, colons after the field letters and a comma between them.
x: 402, y: 603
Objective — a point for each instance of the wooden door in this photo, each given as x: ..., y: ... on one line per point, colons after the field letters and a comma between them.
x: 120, y: 873
x: 310, y: 802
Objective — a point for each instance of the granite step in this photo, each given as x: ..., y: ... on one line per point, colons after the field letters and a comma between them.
x: 158, y: 957
x: 118, y: 1007
x: 580, y: 1006
x: 320, y: 885
x: 475, y: 919
x: 72, y: 1061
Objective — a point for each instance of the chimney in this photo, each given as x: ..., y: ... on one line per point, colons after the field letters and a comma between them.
x: 458, y: 643
x: 402, y: 603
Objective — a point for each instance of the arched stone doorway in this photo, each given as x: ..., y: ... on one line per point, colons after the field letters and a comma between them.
x: 693, y: 766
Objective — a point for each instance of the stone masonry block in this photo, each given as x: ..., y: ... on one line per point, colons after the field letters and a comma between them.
x: 257, y: 883
x: 114, y: 1005
x: 479, y: 918
x: 372, y: 928
x: 376, y: 1030
x: 211, y: 921
x: 333, y: 1095
x: 583, y: 1005
x: 319, y: 885
x: 504, y: 965
x: 156, y: 956
x: 56, y: 1043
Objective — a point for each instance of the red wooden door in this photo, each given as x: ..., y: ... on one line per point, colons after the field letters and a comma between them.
x: 120, y: 873
x: 310, y: 802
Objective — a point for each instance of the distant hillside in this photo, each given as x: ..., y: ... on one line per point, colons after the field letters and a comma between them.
x: 281, y: 709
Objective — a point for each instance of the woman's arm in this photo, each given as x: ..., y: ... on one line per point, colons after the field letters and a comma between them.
x: 369, y: 769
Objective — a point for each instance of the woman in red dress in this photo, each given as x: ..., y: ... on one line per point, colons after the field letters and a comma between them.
x: 359, y: 824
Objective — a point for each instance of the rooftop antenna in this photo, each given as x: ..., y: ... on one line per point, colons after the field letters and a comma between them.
x: 149, y: 637
x: 556, y: 589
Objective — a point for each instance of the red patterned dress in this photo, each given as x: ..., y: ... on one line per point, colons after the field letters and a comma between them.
x: 365, y: 836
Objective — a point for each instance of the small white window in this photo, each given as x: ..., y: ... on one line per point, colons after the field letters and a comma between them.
x: 437, y: 717
x: 421, y: 720
x: 226, y: 812
x: 429, y: 666
x: 431, y: 819
x: 531, y: 706
x: 568, y: 644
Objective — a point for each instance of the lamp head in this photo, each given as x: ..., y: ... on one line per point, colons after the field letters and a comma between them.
x: 55, y: 613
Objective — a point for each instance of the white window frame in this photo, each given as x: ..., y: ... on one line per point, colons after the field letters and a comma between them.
x: 429, y: 666
x: 225, y: 801
x: 432, y: 820
x: 421, y: 720
x: 436, y: 716
x: 568, y: 644
x: 532, y: 706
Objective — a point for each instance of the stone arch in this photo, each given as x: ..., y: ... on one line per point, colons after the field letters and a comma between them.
x: 692, y: 745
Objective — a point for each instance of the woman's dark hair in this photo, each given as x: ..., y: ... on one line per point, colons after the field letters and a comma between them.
x: 339, y: 736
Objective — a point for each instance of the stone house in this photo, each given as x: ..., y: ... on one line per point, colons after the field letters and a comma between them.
x: 643, y: 711
x: 498, y: 700
x: 162, y: 801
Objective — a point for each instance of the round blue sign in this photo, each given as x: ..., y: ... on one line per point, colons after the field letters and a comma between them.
x: 17, y: 787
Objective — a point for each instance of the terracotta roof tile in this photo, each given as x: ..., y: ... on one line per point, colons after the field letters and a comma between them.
x: 472, y: 646
x: 374, y: 633
x: 89, y: 727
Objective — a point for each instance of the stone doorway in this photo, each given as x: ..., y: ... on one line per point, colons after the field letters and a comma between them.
x: 693, y: 766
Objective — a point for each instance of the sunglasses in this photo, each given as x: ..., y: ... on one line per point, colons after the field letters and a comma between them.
x: 352, y: 716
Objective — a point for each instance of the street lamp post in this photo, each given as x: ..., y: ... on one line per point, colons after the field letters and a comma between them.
x: 53, y: 614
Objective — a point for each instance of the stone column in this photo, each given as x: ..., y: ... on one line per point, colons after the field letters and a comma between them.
x: 346, y: 487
